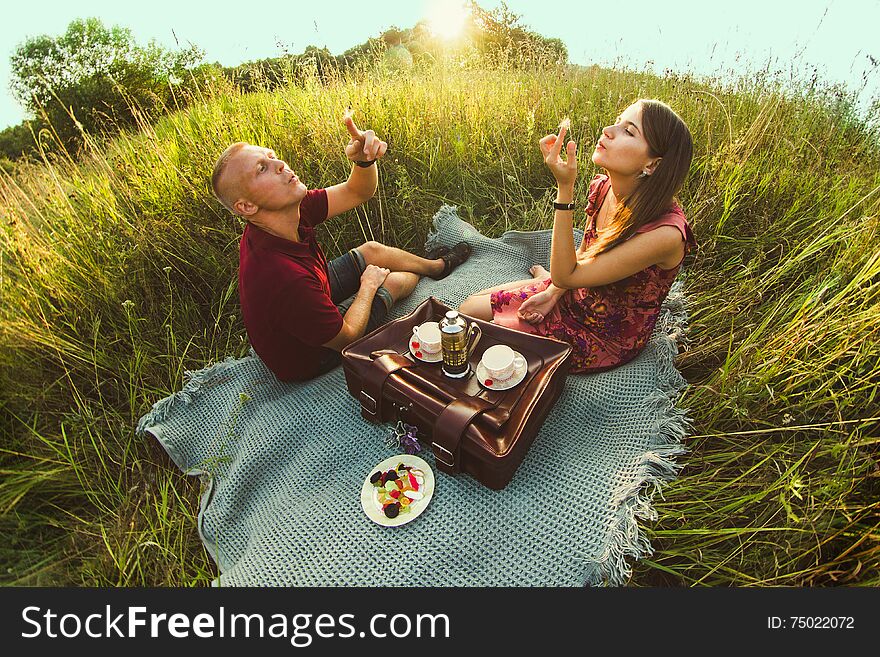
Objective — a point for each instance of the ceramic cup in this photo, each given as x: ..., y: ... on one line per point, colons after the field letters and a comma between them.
x: 501, y: 362
x: 428, y: 337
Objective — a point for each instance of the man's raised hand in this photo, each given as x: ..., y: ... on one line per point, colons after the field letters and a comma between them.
x: 363, y: 145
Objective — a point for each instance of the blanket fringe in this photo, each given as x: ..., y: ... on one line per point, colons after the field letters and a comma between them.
x: 445, y: 213
x: 657, y: 467
x: 194, y: 382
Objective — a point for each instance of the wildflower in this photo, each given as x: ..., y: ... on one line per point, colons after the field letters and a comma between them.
x: 128, y: 304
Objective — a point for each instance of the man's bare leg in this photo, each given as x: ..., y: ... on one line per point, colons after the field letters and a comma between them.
x: 400, y: 284
x: 398, y: 260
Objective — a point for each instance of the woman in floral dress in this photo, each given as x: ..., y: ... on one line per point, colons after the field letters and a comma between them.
x: 604, y: 297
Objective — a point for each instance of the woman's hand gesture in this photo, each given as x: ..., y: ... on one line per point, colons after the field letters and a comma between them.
x: 534, y: 309
x: 564, y: 170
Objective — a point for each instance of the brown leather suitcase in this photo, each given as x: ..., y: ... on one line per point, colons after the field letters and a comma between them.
x: 485, y: 433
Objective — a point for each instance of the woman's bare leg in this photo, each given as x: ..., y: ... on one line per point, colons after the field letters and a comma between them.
x: 479, y: 305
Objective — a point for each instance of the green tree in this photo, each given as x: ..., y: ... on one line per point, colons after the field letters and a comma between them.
x: 501, y: 39
x: 496, y: 37
x: 18, y: 140
x: 273, y: 72
x: 491, y: 38
x: 96, y: 79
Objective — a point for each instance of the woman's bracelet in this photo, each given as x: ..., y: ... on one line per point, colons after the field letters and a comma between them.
x: 563, y: 206
x: 365, y: 163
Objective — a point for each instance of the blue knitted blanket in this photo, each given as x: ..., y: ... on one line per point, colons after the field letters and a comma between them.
x: 283, y: 464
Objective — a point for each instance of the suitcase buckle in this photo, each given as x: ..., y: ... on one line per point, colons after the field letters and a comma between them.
x: 437, y: 456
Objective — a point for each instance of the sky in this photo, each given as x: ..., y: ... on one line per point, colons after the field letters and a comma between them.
x: 837, y: 37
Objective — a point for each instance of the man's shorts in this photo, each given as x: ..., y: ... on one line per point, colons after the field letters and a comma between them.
x: 344, y: 273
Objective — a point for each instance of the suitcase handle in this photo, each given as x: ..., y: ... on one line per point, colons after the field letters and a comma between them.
x: 449, y: 428
x: 370, y: 396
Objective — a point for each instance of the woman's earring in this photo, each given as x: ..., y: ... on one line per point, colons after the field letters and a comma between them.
x: 644, y: 174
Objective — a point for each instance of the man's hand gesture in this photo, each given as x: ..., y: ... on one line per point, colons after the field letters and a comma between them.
x: 363, y: 146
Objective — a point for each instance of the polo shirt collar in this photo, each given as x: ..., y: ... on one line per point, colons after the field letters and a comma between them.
x: 261, y: 239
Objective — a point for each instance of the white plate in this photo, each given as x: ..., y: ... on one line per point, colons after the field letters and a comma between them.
x: 425, y: 357
x: 415, y: 508
x: 514, y: 379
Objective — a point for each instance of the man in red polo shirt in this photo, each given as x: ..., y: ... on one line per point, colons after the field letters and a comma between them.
x: 299, y: 310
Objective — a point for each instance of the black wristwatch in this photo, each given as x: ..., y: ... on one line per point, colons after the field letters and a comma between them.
x: 563, y: 206
x: 365, y: 163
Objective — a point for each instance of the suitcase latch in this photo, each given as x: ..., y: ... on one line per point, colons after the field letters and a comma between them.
x: 437, y: 456
x: 368, y: 404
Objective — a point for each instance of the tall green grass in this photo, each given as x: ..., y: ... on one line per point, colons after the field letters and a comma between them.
x: 118, y: 274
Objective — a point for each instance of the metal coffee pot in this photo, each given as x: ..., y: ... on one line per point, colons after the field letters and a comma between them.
x: 457, y: 343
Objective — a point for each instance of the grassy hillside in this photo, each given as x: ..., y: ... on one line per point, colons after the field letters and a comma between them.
x: 118, y: 273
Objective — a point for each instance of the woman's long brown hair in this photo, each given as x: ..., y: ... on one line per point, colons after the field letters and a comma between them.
x: 668, y: 138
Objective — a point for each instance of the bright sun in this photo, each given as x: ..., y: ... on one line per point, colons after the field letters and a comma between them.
x: 446, y: 18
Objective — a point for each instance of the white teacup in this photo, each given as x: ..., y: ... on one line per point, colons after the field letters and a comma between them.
x: 501, y: 362
x: 428, y: 336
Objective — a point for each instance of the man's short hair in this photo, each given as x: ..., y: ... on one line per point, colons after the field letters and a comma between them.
x: 223, y: 195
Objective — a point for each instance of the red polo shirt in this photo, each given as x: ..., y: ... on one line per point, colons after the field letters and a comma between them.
x: 285, y: 294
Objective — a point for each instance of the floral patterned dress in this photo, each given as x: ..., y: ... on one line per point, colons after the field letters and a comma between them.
x: 607, y: 325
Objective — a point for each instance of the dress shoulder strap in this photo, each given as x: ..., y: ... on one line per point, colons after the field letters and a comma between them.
x: 674, y: 217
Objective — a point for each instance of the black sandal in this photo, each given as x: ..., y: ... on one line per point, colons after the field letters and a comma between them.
x: 452, y: 258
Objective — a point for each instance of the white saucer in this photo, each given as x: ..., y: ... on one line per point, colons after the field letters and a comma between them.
x: 514, y: 379
x: 425, y: 358
x: 416, y: 507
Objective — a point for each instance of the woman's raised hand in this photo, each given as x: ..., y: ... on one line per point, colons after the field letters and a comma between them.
x: 564, y: 170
